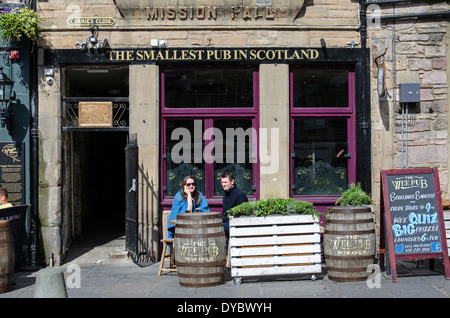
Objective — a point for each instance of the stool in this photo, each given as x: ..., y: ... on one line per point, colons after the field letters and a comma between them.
x: 171, y: 268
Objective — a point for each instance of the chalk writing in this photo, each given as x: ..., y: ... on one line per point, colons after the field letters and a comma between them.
x: 414, y: 213
x: 199, y: 251
x: 351, y: 245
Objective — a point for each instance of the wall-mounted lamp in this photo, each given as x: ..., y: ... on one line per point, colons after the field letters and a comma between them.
x: 6, y: 87
x: 92, y: 41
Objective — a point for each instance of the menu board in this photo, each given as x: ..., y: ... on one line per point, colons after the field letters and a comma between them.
x: 12, y: 172
x: 412, y: 207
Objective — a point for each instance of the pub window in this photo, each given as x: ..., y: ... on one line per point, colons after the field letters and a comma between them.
x: 323, y: 147
x: 209, y: 125
x: 320, y: 156
x: 204, y: 149
x: 208, y: 88
x: 320, y: 88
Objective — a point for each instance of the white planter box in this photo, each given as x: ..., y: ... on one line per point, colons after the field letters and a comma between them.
x: 274, y: 245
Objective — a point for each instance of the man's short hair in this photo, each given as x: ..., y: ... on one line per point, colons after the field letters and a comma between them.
x: 4, y: 192
x: 227, y: 174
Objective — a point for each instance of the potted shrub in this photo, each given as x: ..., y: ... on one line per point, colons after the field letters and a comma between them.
x: 349, y: 236
x: 15, y: 24
x: 354, y: 196
x: 274, y: 237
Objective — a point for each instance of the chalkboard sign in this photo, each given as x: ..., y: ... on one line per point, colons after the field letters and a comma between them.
x: 411, y: 207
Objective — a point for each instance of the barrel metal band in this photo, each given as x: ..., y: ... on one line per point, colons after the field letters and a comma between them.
x: 352, y: 211
x: 349, y: 232
x: 205, y: 235
x: 199, y: 285
x: 198, y: 216
x: 209, y: 275
x: 350, y: 258
x: 347, y: 279
x: 347, y: 270
x: 194, y: 226
x: 208, y: 264
x: 351, y: 221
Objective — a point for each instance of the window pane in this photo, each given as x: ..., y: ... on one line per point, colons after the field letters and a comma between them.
x: 320, y: 161
x: 320, y: 88
x: 208, y: 88
x: 236, y: 154
x: 183, y: 155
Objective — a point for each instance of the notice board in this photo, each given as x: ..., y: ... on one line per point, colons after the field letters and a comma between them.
x: 412, y: 217
x: 12, y: 171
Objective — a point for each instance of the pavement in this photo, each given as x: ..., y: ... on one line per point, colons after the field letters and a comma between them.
x: 120, y: 277
x: 102, y: 271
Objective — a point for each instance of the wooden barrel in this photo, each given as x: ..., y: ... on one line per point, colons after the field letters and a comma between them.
x: 349, y: 243
x: 6, y: 257
x: 200, y: 252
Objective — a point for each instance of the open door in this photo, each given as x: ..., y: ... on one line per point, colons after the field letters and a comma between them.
x: 131, y: 189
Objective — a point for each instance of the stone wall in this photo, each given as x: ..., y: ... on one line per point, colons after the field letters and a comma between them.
x: 335, y: 21
x: 417, y: 52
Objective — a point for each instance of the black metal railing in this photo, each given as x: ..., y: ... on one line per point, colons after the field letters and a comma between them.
x: 70, y: 113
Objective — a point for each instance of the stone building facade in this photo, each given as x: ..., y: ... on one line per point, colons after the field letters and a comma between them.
x: 281, y: 42
x: 417, y: 52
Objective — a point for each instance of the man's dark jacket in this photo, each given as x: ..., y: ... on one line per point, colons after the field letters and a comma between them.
x: 231, y: 198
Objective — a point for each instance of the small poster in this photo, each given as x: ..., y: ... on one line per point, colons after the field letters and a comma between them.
x: 95, y: 114
x: 12, y: 172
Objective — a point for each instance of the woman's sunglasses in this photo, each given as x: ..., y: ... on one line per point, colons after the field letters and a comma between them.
x: 190, y: 184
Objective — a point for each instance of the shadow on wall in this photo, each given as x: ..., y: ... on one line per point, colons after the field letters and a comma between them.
x: 21, y: 120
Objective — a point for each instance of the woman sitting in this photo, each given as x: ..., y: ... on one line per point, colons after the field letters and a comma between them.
x: 188, y: 198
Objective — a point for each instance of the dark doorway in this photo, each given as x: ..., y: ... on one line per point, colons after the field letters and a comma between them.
x: 99, y: 184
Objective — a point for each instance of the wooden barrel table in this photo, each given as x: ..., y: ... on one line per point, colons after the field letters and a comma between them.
x: 200, y: 249
x: 349, y: 243
x: 6, y: 257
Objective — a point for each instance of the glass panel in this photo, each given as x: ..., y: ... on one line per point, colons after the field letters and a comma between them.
x: 320, y: 161
x: 320, y: 88
x: 208, y: 88
x: 184, y: 151
x: 236, y: 154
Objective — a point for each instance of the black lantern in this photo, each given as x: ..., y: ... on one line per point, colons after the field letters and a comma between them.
x: 6, y: 86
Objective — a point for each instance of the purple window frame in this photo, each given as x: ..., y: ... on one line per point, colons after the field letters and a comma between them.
x: 208, y: 115
x: 329, y: 112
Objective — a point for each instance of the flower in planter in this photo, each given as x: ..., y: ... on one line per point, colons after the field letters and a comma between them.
x: 274, y: 206
x: 354, y: 196
x: 18, y: 23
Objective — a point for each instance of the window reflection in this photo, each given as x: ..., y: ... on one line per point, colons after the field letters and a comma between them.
x: 320, y: 88
x: 183, y: 155
x: 237, y: 154
x: 320, y: 156
x: 208, y: 88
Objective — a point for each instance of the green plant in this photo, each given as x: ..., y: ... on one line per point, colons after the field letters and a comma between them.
x: 274, y: 206
x: 354, y: 196
x: 16, y: 23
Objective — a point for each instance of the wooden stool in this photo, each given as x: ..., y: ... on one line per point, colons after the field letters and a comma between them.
x: 172, y: 267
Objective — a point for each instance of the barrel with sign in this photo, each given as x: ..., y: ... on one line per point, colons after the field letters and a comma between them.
x: 200, y: 252
x: 6, y: 257
x: 349, y: 243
